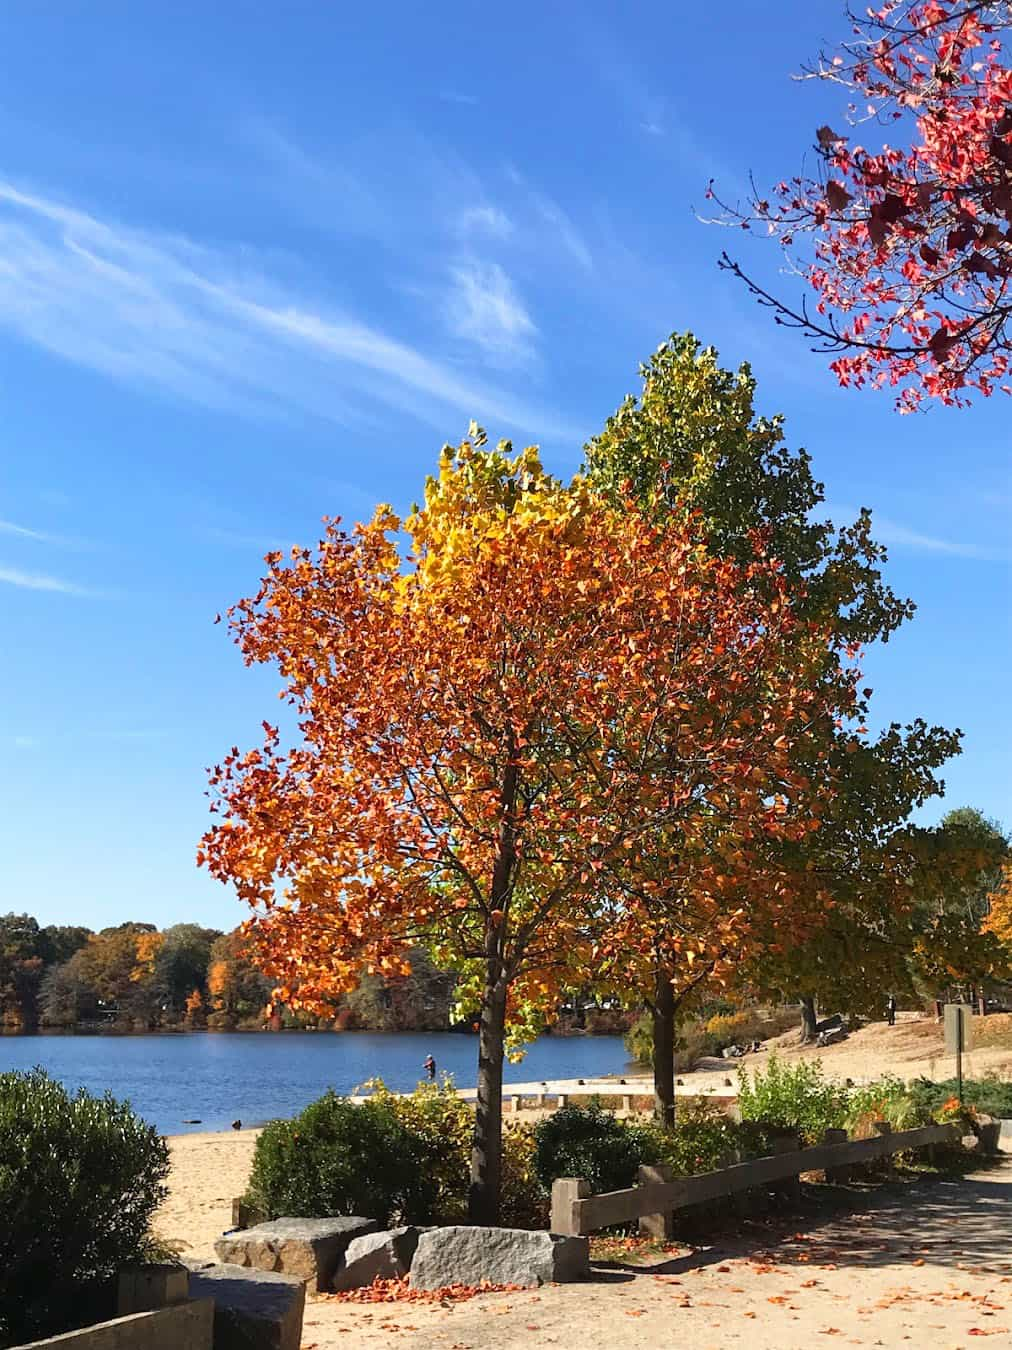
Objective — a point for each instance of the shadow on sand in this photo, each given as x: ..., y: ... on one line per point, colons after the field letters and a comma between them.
x: 948, y: 1222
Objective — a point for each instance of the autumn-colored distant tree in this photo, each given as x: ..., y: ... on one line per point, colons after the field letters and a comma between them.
x: 238, y: 993
x: 21, y: 966
x: 909, y: 241
x: 115, y: 968
x: 954, y: 943
x: 420, y: 1000
x: 693, y: 444
x: 912, y: 926
x: 195, y: 1014
x: 490, y: 724
x: 180, y: 965
x: 999, y: 920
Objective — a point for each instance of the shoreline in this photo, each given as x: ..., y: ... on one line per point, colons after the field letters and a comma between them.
x: 114, y: 1032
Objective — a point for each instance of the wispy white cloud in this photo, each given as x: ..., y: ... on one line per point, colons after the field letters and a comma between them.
x: 25, y: 742
x: 34, y: 536
x: 652, y: 128
x: 23, y: 532
x: 558, y: 220
x: 488, y: 220
x: 896, y: 535
x: 483, y: 307
x: 160, y: 311
x: 455, y: 96
x: 38, y: 581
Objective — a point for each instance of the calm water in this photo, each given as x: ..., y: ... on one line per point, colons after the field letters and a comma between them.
x: 220, y: 1078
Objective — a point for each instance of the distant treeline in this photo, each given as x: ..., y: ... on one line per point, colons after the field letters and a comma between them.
x: 135, y: 977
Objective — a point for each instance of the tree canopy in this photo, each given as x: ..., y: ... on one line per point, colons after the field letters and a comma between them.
x: 907, y: 243
x: 496, y: 729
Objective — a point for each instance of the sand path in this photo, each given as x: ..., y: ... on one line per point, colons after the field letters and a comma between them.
x: 924, y: 1264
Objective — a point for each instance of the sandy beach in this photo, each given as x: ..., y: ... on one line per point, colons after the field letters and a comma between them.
x: 208, y: 1171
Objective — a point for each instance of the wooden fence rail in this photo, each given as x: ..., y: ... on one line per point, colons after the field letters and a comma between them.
x: 658, y: 1196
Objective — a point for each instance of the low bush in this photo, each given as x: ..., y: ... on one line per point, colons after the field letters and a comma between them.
x: 705, y: 1139
x: 393, y: 1158
x: 989, y: 1095
x: 792, y: 1096
x: 338, y: 1158
x: 888, y: 1098
x: 526, y: 1201
x: 80, y: 1177
x: 439, y: 1124
x: 589, y: 1142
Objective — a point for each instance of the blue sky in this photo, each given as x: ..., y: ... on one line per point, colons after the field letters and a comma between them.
x: 258, y: 262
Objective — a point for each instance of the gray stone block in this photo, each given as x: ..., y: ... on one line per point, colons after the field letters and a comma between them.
x: 461, y: 1255
x: 377, y: 1256
x: 309, y: 1249
x: 145, y: 1288
x: 253, y: 1309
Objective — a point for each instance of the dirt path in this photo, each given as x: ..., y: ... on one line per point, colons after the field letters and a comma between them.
x: 928, y: 1263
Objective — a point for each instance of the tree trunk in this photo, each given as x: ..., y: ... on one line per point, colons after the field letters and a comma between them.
x: 486, y: 1152
x: 663, y: 1015
x: 809, y: 1020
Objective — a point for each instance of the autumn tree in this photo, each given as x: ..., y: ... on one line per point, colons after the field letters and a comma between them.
x: 489, y: 723
x: 420, y: 1000
x: 999, y: 919
x: 953, y: 942
x: 237, y: 991
x: 180, y: 965
x: 693, y: 444
x: 114, y: 967
x: 21, y: 968
x: 906, y: 242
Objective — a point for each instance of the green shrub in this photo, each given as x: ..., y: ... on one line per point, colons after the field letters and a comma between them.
x: 80, y: 1178
x: 588, y: 1142
x: 990, y: 1095
x: 526, y: 1203
x: 705, y: 1138
x: 888, y: 1098
x: 440, y: 1125
x: 338, y: 1158
x: 792, y: 1096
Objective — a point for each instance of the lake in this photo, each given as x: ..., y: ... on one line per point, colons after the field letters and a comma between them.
x: 218, y: 1078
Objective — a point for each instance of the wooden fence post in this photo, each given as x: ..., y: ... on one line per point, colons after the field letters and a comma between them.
x: 789, y: 1190
x: 566, y: 1190
x: 837, y: 1176
x: 883, y: 1128
x: 656, y: 1225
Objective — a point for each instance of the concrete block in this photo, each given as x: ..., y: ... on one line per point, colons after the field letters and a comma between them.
x: 253, y: 1309
x: 186, y: 1326
x: 144, y: 1288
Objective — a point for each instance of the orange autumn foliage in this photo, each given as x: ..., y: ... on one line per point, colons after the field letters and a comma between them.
x: 497, y: 730
x: 999, y: 920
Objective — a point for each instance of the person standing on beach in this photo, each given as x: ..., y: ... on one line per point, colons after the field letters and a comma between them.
x: 430, y: 1067
x: 891, y: 1010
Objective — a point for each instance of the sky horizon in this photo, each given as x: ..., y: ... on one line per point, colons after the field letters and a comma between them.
x: 257, y: 268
